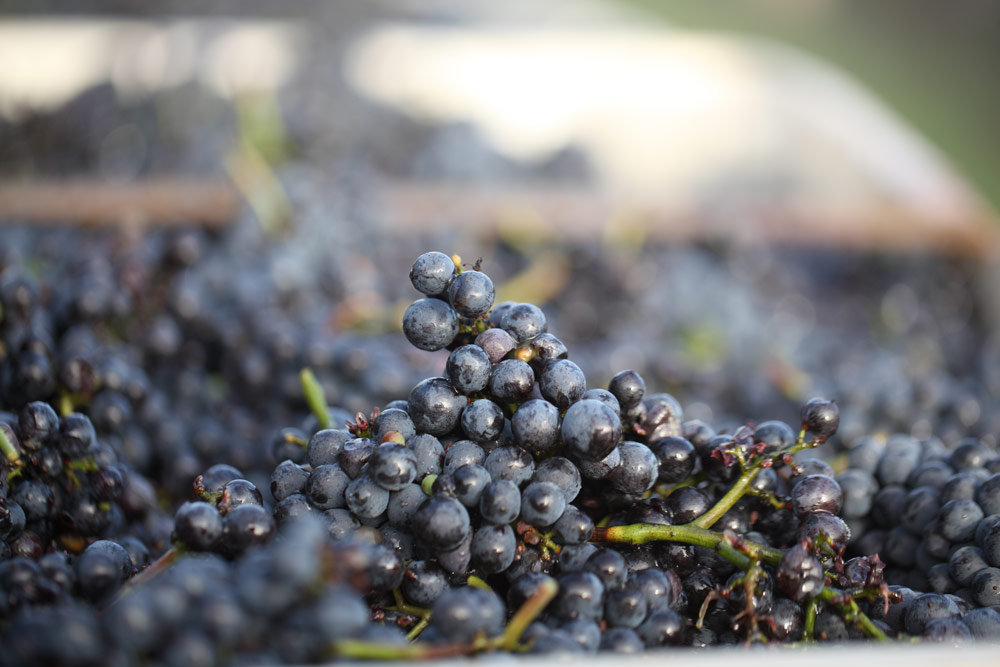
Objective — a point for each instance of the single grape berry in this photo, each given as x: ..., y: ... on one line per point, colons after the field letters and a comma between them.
x: 821, y: 417
x: 432, y: 272
x: 524, y: 321
x: 800, y: 575
x: 430, y: 324
x: 471, y: 293
x: 590, y: 430
x: 468, y: 368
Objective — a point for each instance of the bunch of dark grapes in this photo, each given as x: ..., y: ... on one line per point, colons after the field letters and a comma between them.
x: 505, y: 505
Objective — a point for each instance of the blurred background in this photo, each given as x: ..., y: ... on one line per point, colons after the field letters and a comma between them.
x: 749, y: 202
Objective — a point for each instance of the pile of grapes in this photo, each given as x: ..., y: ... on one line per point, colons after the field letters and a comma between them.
x: 505, y: 506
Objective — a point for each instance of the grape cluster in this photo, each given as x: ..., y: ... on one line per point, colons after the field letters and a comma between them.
x: 505, y: 505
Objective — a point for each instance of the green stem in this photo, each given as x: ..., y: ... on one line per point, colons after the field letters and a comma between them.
x: 157, y: 567
x: 476, y: 582
x: 742, y: 553
x: 851, y: 612
x: 727, y: 501
x: 417, y: 629
x: 510, y: 640
x: 314, y: 397
x: 739, y: 488
x: 810, y: 623
x: 9, y: 450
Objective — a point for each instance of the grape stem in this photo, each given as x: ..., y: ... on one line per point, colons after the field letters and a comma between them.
x: 510, y: 640
x: 9, y: 450
x: 157, y: 567
x: 315, y: 398
x: 745, y: 554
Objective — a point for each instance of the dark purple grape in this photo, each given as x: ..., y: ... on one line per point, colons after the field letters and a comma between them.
x: 638, y: 470
x: 435, y: 407
x: 609, y: 565
x: 985, y: 587
x: 625, y: 608
x: 524, y: 321
x: 432, y: 272
x: 602, y: 468
x: 482, y: 420
x: 687, y: 504
x: 511, y: 381
x: 326, y: 486
x: 816, y: 493
x: 831, y: 526
x: 511, y: 463
x: 958, y: 519
x: 325, y: 445
x: 573, y: 527
x: 460, y: 453
x: 925, y: 608
x: 471, y: 293
x: 604, y: 396
x: 392, y: 466
x: 776, y: 435
x: 821, y: 417
x: 287, y: 478
x: 430, y: 324
x: 500, y: 502
x: 800, y: 575
x: 37, y: 425
x: 366, y: 498
x: 355, y: 455
x: 562, y: 383
x: 628, y: 387
x: 245, y: 526
x: 393, y: 420
x: 590, y: 430
x: 535, y: 425
x: 471, y: 481
x: 496, y: 344
x: 198, y: 526
x: 676, y: 457
x: 237, y: 493
x: 469, y: 368
x: 663, y: 627
x: 621, y: 640
x: 493, y: 548
x: 442, y: 522
x: 581, y: 595
x: 423, y: 582
x: 964, y: 563
x: 542, y: 503
x: 561, y: 472
x: 462, y: 613
x: 429, y: 453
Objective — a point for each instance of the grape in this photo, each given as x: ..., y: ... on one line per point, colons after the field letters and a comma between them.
x: 500, y: 502
x: 535, y: 425
x: 326, y: 485
x: 471, y: 293
x: 482, y: 420
x: 542, y: 503
x: 469, y: 368
x: 435, y: 407
x: 562, y: 383
x: 392, y: 466
x: 511, y: 381
x: 821, y: 417
x: 432, y: 273
x: 510, y: 463
x: 561, y: 472
x: 524, y: 321
x: 591, y: 430
x: 442, y: 521
x: 493, y: 548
